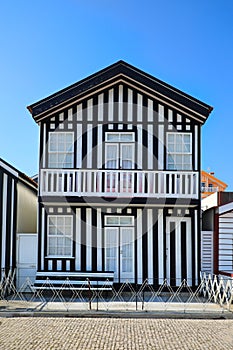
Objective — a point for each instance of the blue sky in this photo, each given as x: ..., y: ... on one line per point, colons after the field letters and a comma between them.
x: 47, y: 45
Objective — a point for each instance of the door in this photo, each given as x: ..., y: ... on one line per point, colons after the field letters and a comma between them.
x: 119, y: 252
x: 178, y: 251
x: 26, y: 259
x: 119, y: 156
x: 126, y: 253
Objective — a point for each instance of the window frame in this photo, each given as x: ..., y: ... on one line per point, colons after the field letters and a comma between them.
x: 57, y: 152
x: 181, y: 153
x: 56, y: 235
x: 119, y: 144
x: 119, y: 217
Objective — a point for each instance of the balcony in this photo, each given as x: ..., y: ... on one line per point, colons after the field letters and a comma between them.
x: 119, y: 183
x: 209, y: 189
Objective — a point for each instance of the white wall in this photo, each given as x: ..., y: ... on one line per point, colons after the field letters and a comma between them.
x: 210, y: 201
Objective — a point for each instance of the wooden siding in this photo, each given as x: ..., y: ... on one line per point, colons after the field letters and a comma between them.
x: 225, y: 242
x: 150, y: 243
x: 8, y: 202
x: 207, y: 251
x: 120, y: 108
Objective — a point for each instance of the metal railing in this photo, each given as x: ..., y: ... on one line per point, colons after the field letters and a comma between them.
x: 213, y: 294
x: 119, y: 183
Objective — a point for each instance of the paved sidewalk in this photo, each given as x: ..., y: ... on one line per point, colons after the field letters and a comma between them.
x: 111, y: 333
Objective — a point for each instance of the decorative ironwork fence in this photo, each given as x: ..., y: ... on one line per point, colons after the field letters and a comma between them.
x: 212, y: 295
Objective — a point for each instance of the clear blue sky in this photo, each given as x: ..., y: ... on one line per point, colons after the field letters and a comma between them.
x: 47, y: 45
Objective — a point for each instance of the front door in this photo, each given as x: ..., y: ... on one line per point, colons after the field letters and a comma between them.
x: 119, y: 252
x: 26, y: 258
x: 178, y: 250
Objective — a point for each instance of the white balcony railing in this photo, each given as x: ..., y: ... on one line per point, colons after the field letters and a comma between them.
x: 209, y: 189
x: 119, y: 183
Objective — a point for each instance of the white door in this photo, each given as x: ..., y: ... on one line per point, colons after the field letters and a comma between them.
x: 126, y: 253
x: 178, y: 250
x: 111, y: 250
x: 26, y: 258
x: 119, y: 252
x: 126, y: 156
x: 119, y: 156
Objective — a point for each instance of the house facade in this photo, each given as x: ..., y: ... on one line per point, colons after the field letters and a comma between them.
x: 119, y: 179
x: 18, y: 223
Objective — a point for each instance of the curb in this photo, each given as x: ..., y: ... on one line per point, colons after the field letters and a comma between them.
x: 109, y: 314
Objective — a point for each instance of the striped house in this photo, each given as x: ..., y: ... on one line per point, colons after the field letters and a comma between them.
x: 119, y: 180
x: 217, y: 234
x: 18, y: 221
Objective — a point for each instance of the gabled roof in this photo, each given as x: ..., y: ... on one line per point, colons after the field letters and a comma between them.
x: 18, y: 174
x: 214, y: 179
x: 111, y: 74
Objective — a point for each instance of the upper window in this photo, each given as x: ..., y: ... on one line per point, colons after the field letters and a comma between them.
x: 119, y: 150
x: 61, y: 150
x: 118, y: 220
x: 60, y: 233
x: 120, y: 137
x: 179, y: 151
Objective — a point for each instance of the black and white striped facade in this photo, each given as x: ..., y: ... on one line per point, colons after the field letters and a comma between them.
x: 165, y: 242
x: 157, y: 208
x: 8, y: 202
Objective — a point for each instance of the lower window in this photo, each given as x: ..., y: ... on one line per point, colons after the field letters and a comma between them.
x: 60, y: 233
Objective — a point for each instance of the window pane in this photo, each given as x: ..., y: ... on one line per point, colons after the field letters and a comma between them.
x: 187, y: 147
x: 67, y: 251
x: 187, y: 159
x: 53, y: 147
x: 187, y: 138
x: 112, y: 137
x: 179, y: 147
x: 69, y: 138
x: 171, y: 147
x: 52, y: 251
x: 171, y: 138
x: 124, y: 220
x: 126, y: 137
x: 112, y: 220
x: 111, y: 156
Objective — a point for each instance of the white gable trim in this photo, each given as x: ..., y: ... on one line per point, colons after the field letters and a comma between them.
x: 225, y: 208
x: 121, y: 80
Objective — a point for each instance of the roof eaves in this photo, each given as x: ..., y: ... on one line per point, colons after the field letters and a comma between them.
x: 109, y: 72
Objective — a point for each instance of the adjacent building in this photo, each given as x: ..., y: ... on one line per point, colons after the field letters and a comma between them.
x: 210, y: 184
x: 18, y: 223
x: 217, y: 234
x: 119, y: 179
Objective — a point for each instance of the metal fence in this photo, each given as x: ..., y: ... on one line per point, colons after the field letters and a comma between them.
x: 212, y: 295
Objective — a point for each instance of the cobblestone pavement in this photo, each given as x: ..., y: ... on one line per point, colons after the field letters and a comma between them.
x: 109, y: 333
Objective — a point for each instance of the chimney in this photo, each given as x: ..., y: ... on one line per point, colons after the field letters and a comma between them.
x: 212, y: 173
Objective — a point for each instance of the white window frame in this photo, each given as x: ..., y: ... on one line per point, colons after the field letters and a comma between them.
x: 118, y: 219
x: 56, y: 235
x: 181, y: 153
x: 120, y: 134
x: 57, y: 152
x: 120, y: 142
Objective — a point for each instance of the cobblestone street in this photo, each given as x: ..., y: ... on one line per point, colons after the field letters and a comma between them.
x: 109, y: 333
